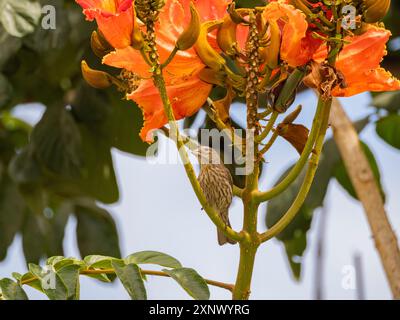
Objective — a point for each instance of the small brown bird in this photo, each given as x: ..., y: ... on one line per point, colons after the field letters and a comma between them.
x: 217, y: 185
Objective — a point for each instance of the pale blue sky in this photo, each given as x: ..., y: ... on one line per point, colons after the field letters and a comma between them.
x: 159, y: 211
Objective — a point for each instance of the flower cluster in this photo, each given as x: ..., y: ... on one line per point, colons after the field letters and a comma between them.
x: 246, y: 51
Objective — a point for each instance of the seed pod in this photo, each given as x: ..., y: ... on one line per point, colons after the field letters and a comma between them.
x: 213, y: 77
x: 226, y: 37
x: 375, y: 10
x: 289, y: 89
x: 234, y: 14
x: 189, y: 37
x: 99, y: 45
x: 205, y: 51
x: 137, y: 36
x: 293, y: 115
x: 96, y: 79
x: 270, y: 54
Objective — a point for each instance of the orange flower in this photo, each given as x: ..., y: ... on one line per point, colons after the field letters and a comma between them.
x: 186, y: 91
x: 298, y: 45
x: 114, y: 19
x: 359, y: 62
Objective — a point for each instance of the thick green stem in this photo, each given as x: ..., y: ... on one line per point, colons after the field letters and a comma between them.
x: 160, y: 84
x: 309, y: 177
x: 296, y: 170
x: 213, y: 215
x: 241, y: 289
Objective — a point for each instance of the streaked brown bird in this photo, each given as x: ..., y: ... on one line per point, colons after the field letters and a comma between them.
x: 217, y: 185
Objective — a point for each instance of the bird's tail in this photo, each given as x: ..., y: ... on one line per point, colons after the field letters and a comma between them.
x: 222, y: 239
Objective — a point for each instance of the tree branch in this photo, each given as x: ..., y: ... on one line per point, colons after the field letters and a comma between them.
x: 364, y: 183
x: 214, y: 283
x: 309, y: 176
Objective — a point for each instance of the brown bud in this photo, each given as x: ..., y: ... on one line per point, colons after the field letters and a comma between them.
x: 137, y: 36
x: 96, y: 79
x: 270, y: 54
x: 205, y: 51
x: 99, y: 44
x: 226, y: 37
x: 189, y: 37
x: 375, y: 10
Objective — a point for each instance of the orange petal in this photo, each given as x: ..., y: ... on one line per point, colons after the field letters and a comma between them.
x: 129, y: 59
x: 186, y: 97
x: 376, y: 80
x: 360, y: 61
x: 297, y: 46
x: 114, y: 18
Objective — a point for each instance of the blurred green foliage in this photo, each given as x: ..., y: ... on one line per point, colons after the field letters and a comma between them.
x: 63, y: 166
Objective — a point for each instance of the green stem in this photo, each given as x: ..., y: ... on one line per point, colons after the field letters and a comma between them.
x: 170, y: 58
x: 296, y: 170
x: 241, y: 289
x: 308, y: 180
x: 219, y: 284
x: 213, y: 215
x: 268, y: 128
x: 251, y: 241
x: 271, y: 141
x: 160, y: 84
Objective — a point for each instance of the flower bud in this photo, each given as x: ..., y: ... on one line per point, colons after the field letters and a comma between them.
x: 226, y: 37
x: 234, y: 14
x: 375, y: 10
x: 288, y: 92
x: 270, y: 54
x: 205, y: 51
x: 189, y: 37
x: 137, y: 36
x: 213, y: 77
x: 99, y: 44
x: 96, y: 79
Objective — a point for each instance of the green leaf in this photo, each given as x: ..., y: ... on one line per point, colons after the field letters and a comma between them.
x: 24, y: 168
x: 9, y: 46
x: 69, y: 275
x: 98, y: 176
x: 191, y: 282
x: 19, y: 17
x: 36, y: 284
x: 5, y: 91
x: 91, y: 106
x: 34, y: 233
x: 96, y: 231
x: 99, y: 261
x: 131, y: 279
x: 12, y: 209
x: 12, y: 290
x: 153, y: 257
x: 294, y: 237
x: 59, y: 262
x: 295, y: 248
x: 51, y: 282
x: 343, y: 178
x: 57, y: 142
x: 123, y: 126
x: 388, y: 128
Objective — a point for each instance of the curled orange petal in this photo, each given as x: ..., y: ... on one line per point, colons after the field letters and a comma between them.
x: 115, y: 19
x: 298, y: 46
x: 359, y: 62
x: 186, y: 98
